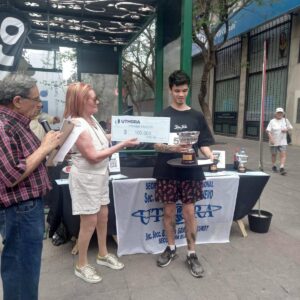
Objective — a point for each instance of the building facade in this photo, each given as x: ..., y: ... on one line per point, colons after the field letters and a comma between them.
x: 236, y: 82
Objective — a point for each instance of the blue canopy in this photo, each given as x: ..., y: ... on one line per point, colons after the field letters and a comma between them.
x: 252, y: 16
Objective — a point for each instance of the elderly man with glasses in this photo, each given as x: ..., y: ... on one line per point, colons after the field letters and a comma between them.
x: 23, y: 182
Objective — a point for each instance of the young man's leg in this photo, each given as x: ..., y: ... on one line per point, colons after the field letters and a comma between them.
x: 190, y: 192
x: 170, y: 222
x: 188, y: 211
x: 170, y: 227
x: 166, y: 192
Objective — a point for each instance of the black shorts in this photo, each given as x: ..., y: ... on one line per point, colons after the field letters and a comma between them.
x: 171, y: 191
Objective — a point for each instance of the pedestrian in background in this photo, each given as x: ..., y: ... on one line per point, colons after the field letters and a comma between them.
x: 277, y: 131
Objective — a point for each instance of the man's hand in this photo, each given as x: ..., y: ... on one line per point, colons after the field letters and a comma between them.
x: 50, y: 141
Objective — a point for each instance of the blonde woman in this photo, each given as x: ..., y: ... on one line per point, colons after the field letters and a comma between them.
x: 88, y: 181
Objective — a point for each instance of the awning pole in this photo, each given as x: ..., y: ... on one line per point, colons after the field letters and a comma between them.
x: 262, y: 106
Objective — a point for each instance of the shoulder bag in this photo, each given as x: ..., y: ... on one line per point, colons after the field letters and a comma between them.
x: 288, y: 135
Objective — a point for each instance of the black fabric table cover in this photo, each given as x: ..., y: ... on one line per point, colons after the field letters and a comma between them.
x: 249, y: 191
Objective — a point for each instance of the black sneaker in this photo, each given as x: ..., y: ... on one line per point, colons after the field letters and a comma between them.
x: 282, y: 171
x: 195, y: 266
x: 274, y: 169
x: 166, y: 257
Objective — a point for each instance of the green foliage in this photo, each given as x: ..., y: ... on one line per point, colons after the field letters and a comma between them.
x: 210, y: 15
x: 139, y: 67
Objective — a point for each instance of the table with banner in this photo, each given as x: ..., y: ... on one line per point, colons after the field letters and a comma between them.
x: 227, y: 196
x: 137, y: 219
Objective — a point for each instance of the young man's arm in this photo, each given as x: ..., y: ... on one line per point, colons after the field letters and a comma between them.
x: 164, y: 148
x: 206, y: 151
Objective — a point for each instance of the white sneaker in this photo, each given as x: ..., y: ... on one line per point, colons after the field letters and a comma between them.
x: 88, y: 274
x: 111, y: 261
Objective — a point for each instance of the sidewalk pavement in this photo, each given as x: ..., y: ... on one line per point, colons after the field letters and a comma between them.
x: 260, y: 266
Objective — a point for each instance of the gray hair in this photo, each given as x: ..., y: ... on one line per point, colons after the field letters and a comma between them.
x: 15, y: 84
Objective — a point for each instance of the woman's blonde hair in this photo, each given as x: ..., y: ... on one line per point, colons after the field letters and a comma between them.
x: 76, y: 98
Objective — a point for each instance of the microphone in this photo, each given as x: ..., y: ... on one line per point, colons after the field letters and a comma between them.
x: 45, y: 124
x: 46, y: 127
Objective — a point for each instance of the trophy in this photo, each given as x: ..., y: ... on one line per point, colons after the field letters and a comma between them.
x: 242, y: 158
x: 188, y: 138
x: 214, y: 168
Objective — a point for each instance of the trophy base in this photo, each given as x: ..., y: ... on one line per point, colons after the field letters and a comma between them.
x: 188, y: 158
x: 213, y: 168
x: 241, y: 169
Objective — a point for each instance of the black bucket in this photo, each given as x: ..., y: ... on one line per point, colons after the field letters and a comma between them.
x: 259, y: 223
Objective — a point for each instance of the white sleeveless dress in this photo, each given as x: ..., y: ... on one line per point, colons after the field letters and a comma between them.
x: 88, y: 183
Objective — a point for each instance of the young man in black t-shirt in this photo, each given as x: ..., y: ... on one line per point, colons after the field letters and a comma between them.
x: 184, y: 184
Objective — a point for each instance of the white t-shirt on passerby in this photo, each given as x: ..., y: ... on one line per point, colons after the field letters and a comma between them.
x: 275, y: 127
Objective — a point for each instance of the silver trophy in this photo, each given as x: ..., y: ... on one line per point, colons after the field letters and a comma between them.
x: 242, y: 158
x: 188, y: 138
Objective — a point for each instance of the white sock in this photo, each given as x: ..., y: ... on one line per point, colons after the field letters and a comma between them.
x: 191, y: 252
x: 172, y: 247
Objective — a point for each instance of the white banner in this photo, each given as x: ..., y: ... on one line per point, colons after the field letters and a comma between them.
x: 139, y: 218
x: 52, y: 93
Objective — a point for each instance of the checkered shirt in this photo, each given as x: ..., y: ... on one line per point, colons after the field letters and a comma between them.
x: 17, y: 142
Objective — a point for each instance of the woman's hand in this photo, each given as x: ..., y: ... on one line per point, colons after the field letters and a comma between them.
x: 130, y: 143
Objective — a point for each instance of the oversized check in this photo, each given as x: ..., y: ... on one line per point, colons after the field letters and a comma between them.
x: 145, y: 129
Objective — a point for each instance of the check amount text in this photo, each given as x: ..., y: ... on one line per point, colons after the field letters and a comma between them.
x: 142, y: 132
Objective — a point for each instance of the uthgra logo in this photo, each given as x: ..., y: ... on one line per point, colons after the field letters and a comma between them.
x: 146, y: 215
x: 156, y: 214
x: 127, y: 121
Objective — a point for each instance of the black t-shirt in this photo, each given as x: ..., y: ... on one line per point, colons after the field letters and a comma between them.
x: 187, y: 120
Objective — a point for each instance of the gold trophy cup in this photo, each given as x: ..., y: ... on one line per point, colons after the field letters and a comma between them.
x: 188, y: 138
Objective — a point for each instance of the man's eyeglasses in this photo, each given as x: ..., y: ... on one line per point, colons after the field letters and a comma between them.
x: 37, y: 99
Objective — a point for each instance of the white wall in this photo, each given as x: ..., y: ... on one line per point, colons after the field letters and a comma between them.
x: 293, y: 89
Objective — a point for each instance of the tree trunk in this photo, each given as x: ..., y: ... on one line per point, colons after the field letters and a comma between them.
x: 137, y: 107
x: 208, y: 65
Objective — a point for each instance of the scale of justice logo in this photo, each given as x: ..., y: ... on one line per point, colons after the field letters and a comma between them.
x: 156, y: 214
